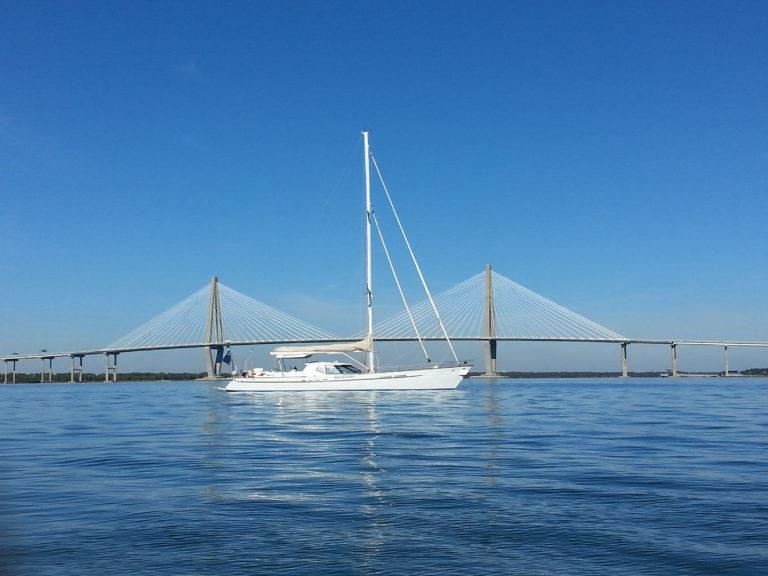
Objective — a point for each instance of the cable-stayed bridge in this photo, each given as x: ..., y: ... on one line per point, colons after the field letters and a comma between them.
x: 488, y: 308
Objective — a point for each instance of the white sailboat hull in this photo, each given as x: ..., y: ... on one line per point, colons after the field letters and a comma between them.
x: 418, y: 379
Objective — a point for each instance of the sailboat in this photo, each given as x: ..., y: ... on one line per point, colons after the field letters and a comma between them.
x: 345, y: 375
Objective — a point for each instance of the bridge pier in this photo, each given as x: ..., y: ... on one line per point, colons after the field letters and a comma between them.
x: 216, y: 359
x: 725, y: 359
x: 76, y: 369
x: 50, y: 369
x: 624, y: 362
x: 489, y: 326
x: 673, y: 349
x: 490, y: 358
x: 111, y: 368
x: 13, y: 371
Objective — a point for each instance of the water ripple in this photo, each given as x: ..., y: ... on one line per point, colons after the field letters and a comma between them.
x: 505, y: 477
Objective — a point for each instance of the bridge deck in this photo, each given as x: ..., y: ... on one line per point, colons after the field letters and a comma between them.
x: 662, y: 341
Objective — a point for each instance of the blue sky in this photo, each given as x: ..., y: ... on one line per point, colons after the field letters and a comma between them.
x: 610, y: 156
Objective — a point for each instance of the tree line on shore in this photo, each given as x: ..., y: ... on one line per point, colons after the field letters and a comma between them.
x: 755, y: 372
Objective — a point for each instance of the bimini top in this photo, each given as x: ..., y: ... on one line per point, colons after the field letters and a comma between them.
x: 364, y: 345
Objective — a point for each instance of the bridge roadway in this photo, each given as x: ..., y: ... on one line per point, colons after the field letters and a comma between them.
x: 111, y: 368
x: 626, y: 341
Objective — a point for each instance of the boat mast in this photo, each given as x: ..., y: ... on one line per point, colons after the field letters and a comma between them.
x: 368, y: 269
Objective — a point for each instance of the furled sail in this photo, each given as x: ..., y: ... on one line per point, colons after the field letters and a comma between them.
x: 364, y: 345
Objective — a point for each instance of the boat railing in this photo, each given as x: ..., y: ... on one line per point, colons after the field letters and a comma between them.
x: 425, y: 366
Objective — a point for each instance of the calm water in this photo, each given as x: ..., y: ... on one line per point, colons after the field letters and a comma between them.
x: 511, y: 477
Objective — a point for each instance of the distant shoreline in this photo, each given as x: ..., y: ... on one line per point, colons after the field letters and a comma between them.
x: 91, y: 377
x: 752, y: 372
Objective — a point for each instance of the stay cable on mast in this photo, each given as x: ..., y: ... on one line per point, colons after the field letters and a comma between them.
x: 413, y: 258
x: 399, y: 288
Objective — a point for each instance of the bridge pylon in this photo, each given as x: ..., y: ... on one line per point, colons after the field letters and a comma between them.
x: 214, y: 332
x: 489, y: 325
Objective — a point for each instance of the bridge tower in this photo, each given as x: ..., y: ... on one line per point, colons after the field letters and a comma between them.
x: 214, y: 332
x: 489, y: 325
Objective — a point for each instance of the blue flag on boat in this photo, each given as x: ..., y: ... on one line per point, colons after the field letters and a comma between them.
x: 227, y: 357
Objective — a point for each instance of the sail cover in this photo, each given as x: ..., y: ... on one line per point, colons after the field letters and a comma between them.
x: 363, y: 345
